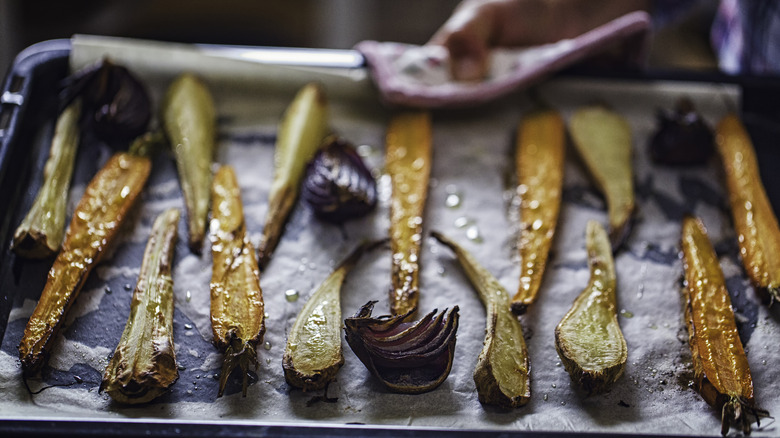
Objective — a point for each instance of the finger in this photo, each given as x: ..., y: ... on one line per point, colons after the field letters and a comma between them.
x: 468, y: 56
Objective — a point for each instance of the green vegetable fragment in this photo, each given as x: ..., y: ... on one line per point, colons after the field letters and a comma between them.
x: 502, y: 371
x: 40, y: 233
x: 303, y: 127
x: 588, y: 338
x: 189, y: 119
x: 313, y: 354
x: 144, y: 362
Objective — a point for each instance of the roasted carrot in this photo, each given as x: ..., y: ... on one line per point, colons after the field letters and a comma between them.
x: 237, y: 310
x: 720, y: 366
x: 96, y: 220
x: 144, y: 363
x: 757, y: 230
x: 539, y: 159
x: 408, y: 162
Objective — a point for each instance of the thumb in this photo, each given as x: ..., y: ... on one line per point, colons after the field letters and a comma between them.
x: 468, y: 57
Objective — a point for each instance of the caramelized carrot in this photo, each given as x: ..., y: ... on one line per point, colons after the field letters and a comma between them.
x: 539, y: 162
x: 409, y: 165
x: 754, y: 220
x: 720, y: 366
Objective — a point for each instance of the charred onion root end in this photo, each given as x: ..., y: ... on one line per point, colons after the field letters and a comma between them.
x: 407, y: 357
x: 242, y: 354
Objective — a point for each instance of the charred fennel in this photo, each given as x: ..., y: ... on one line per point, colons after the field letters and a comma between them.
x: 303, y: 127
x: 144, y: 362
x: 313, y: 355
x: 539, y: 159
x: 99, y: 214
x: 603, y: 139
x: 189, y: 119
x: 237, y: 309
x: 720, y: 367
x: 408, y: 162
x: 754, y: 219
x: 502, y: 372
x: 40, y: 233
x: 588, y: 338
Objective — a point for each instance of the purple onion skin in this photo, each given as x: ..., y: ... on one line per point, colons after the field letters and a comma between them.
x: 338, y: 186
x: 117, y: 107
x: 407, y: 357
x: 682, y: 138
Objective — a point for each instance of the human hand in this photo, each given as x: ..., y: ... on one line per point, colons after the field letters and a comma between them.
x: 477, y: 26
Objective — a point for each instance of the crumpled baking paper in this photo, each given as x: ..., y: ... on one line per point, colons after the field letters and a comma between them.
x: 469, y: 200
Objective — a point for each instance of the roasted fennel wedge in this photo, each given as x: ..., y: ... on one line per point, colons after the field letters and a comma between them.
x: 313, y: 354
x: 40, y: 233
x: 144, y: 363
x: 720, y: 367
x: 502, y: 371
x: 602, y: 138
x: 539, y: 159
x: 754, y: 219
x: 189, y: 119
x: 408, y: 162
x: 588, y: 338
x: 99, y: 214
x: 237, y: 308
x: 301, y: 132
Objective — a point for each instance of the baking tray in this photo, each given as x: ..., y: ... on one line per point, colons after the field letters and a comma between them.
x: 26, y: 121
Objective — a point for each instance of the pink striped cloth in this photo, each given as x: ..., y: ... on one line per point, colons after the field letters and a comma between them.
x: 419, y: 76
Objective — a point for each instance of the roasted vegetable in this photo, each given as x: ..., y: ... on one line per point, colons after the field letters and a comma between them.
x: 338, y: 186
x: 303, y: 127
x: 681, y: 137
x: 502, y: 372
x: 189, y: 119
x: 757, y: 230
x: 237, y: 309
x: 98, y: 216
x: 144, y: 362
x: 408, y: 162
x: 410, y: 358
x: 40, y: 233
x: 720, y: 367
x: 588, y: 338
x: 603, y: 139
x: 539, y: 159
x: 117, y: 107
x: 313, y: 353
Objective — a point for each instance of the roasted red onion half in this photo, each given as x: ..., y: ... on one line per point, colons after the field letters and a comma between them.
x: 117, y: 107
x: 408, y: 357
x: 682, y: 137
x: 338, y: 186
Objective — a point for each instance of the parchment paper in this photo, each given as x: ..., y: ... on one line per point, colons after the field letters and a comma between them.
x: 469, y: 200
